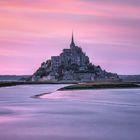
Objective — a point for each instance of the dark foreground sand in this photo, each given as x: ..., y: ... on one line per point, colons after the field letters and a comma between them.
x: 101, y: 85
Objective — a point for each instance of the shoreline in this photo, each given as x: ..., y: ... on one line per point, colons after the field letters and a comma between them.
x: 16, y: 83
x: 101, y: 85
x: 106, y: 83
x: 78, y: 86
x: 94, y: 86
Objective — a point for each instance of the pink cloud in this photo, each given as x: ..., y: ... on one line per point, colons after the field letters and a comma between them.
x: 32, y: 31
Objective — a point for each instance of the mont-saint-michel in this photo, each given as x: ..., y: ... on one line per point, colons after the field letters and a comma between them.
x: 71, y: 65
x: 68, y: 95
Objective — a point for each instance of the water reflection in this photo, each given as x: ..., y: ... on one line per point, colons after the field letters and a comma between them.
x: 70, y: 115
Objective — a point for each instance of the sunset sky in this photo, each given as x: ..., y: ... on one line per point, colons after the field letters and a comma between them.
x: 31, y: 31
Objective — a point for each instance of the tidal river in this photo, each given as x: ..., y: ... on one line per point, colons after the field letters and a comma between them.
x: 109, y: 114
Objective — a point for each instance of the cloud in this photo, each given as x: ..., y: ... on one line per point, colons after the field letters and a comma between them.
x: 116, y: 2
x: 33, y: 30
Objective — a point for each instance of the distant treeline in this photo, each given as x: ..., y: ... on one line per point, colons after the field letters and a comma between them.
x: 23, y: 77
x: 130, y: 77
x: 13, y: 77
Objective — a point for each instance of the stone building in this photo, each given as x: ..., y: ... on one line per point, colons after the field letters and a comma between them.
x: 71, y: 65
x: 74, y: 55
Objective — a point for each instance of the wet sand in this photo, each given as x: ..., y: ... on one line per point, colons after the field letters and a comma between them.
x: 105, y: 114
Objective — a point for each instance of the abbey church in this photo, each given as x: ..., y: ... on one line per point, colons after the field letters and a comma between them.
x: 72, y: 65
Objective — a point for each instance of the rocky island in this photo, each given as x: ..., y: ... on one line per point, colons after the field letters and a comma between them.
x: 72, y: 65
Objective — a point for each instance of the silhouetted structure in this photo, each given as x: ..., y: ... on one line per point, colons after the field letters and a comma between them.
x: 71, y: 65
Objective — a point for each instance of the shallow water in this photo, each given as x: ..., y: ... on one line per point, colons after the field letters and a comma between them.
x: 110, y: 114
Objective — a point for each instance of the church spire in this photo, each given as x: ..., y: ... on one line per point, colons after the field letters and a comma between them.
x: 72, y: 41
x: 72, y: 38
